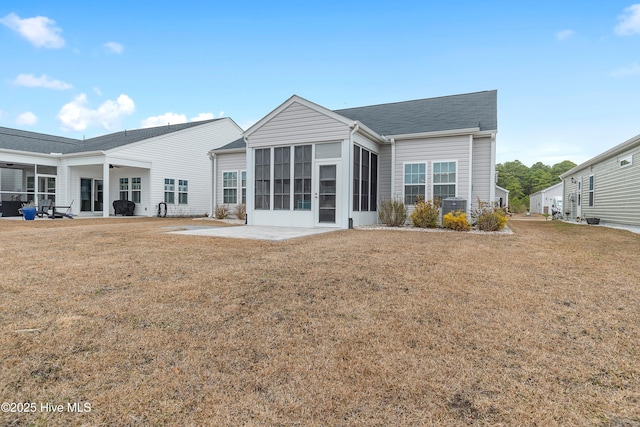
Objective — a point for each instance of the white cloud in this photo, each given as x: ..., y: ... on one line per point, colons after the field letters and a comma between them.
x: 97, y: 91
x: 166, y: 118
x: 629, y: 23
x: 114, y: 47
x: 632, y: 70
x: 564, y: 34
x: 203, y: 116
x: 40, y: 30
x: 29, y: 80
x: 77, y: 116
x: 27, y: 118
x: 175, y: 118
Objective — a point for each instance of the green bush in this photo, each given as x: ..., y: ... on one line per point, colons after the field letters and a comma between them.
x: 456, y: 221
x: 392, y: 212
x: 426, y: 214
x: 488, y: 217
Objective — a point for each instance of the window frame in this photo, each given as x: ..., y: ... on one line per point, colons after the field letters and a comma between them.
x: 229, y: 187
x: 262, y: 181
x: 626, y: 161
x: 433, y: 179
x: 136, y: 189
x: 183, y: 191
x: 282, y: 180
x: 123, y: 188
x: 406, y: 184
x: 243, y: 186
x: 592, y: 190
x: 170, y: 191
x: 302, y: 177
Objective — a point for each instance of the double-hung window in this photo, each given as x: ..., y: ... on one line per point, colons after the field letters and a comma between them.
x: 124, y: 188
x: 592, y: 188
x: 444, y: 180
x: 415, y: 181
x: 136, y: 189
x: 230, y: 187
x: 169, y: 190
x: 183, y: 191
x: 262, y: 178
x: 244, y: 187
x: 282, y: 178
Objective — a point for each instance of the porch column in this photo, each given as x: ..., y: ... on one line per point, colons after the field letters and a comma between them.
x: 106, y: 204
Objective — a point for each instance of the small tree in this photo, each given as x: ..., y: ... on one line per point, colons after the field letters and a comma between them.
x: 425, y: 214
x: 392, y: 212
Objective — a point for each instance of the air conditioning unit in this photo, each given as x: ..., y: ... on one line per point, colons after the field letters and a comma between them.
x: 452, y: 204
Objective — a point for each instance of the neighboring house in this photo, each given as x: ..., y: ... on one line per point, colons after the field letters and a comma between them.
x: 502, y: 197
x: 546, y: 201
x: 147, y: 166
x: 308, y: 166
x: 606, y: 187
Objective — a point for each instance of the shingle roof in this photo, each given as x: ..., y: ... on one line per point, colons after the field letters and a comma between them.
x: 238, y: 143
x: 15, y: 139
x: 470, y: 110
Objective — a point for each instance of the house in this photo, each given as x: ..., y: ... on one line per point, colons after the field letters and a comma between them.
x: 165, y: 164
x: 502, y: 197
x: 546, y: 201
x: 606, y: 186
x: 308, y: 166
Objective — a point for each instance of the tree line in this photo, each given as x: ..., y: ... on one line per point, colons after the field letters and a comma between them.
x: 521, y: 180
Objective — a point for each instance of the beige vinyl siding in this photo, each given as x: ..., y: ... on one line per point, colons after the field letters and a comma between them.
x: 231, y: 162
x: 453, y: 148
x: 182, y: 155
x: 482, y: 180
x: 617, y: 190
x: 298, y: 124
x: 384, y: 173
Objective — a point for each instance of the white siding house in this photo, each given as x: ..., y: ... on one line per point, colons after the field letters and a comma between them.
x: 166, y: 164
x: 547, y: 200
x: 606, y: 187
x: 309, y: 166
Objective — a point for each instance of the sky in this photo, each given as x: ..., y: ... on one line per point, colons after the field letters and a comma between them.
x: 567, y: 72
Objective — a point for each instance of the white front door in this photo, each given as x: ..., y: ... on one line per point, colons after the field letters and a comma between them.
x: 327, y: 194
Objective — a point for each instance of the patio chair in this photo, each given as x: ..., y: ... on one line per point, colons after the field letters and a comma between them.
x: 43, y: 207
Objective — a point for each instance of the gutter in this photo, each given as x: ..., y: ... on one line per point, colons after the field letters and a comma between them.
x: 214, y: 174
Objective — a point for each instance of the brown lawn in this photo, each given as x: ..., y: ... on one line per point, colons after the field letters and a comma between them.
x: 541, y: 327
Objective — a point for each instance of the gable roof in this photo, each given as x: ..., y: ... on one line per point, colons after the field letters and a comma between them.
x: 20, y: 140
x: 233, y: 145
x: 618, y: 149
x: 465, y: 111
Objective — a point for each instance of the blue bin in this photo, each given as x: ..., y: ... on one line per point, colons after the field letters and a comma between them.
x: 29, y: 213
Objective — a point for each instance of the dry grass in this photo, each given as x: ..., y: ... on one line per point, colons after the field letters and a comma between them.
x: 350, y: 328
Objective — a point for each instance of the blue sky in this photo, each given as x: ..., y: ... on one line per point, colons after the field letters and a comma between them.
x: 567, y: 72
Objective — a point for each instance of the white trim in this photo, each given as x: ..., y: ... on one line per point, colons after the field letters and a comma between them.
x: 471, y: 175
x: 628, y: 159
x: 229, y: 188
x: 434, y: 134
x: 433, y: 184
x: 426, y: 177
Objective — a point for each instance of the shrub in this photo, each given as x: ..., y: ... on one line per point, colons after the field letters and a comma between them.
x: 489, y: 218
x: 426, y: 214
x: 221, y: 211
x: 241, y: 211
x: 392, y: 212
x: 456, y: 221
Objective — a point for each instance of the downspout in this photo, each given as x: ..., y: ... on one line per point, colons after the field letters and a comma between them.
x: 354, y: 129
x: 470, y: 175
x: 214, y: 174
x: 393, y: 168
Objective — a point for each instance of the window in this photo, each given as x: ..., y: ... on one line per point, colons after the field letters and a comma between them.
x: 373, y: 200
x: 415, y: 180
x: 230, y: 187
x: 262, y: 178
x: 356, y: 178
x: 183, y: 191
x: 364, y: 181
x: 169, y: 190
x: 244, y: 187
x: 302, y: 177
x: 444, y: 180
x: 282, y: 178
x: 591, y: 190
x: 124, y: 188
x: 136, y: 189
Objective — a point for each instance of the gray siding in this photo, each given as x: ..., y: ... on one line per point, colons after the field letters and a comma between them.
x: 231, y: 162
x: 298, y: 124
x: 384, y: 172
x: 453, y: 148
x: 482, y: 177
x: 617, y: 190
